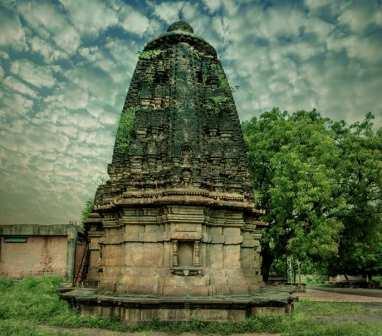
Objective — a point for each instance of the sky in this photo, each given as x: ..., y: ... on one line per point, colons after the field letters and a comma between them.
x: 65, y: 67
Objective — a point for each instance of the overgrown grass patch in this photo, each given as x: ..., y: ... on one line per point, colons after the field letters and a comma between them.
x: 28, y: 303
x: 24, y: 328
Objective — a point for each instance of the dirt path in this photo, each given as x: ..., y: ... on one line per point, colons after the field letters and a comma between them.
x: 103, y: 332
x: 352, y: 291
x: 321, y: 295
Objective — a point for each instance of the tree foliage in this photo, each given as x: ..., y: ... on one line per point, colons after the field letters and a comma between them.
x: 360, y: 175
x: 87, y: 210
x: 305, y: 177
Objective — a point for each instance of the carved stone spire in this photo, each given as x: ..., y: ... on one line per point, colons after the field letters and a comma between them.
x: 179, y: 126
x: 174, y: 233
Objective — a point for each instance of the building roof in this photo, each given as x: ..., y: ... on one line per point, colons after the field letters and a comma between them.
x: 39, y: 229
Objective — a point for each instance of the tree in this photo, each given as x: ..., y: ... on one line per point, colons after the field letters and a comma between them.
x: 293, y: 158
x: 360, y: 176
x: 88, y: 208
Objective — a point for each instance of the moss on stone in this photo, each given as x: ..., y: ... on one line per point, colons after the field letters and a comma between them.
x: 124, y: 131
x: 149, y: 54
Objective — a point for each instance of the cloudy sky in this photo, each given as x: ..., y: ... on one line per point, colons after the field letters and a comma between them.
x: 66, y: 66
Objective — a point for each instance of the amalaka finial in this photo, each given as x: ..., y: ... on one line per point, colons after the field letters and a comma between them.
x: 181, y: 26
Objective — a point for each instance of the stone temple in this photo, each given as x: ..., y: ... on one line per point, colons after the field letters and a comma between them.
x: 174, y: 234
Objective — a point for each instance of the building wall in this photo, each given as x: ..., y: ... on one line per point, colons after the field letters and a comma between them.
x: 38, y: 255
x: 176, y: 250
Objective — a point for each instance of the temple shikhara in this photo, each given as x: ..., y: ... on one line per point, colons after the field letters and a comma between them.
x: 174, y: 233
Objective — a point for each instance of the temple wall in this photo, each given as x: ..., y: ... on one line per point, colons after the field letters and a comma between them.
x: 177, y: 251
x: 36, y: 256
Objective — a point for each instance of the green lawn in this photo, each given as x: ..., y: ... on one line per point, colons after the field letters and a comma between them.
x: 27, y: 304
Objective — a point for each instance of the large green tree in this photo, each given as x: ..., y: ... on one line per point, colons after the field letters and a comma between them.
x: 294, y: 160
x: 360, y: 176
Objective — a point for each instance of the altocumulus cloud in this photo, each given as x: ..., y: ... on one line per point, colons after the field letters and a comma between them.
x: 66, y: 66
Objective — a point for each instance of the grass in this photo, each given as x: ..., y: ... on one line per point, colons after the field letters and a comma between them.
x: 29, y: 303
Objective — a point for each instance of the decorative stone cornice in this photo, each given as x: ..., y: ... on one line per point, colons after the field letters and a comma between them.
x: 179, y: 196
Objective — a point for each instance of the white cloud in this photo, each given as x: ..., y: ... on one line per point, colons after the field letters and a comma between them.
x: 4, y: 55
x: 169, y: 12
x: 133, y: 21
x: 366, y: 49
x: 280, y: 22
x: 16, y: 85
x: 125, y: 56
x: 154, y: 29
x: 190, y: 11
x: 97, y: 57
x: 90, y: 17
x: 230, y: 7
x: 68, y: 39
x: 69, y: 95
x: 49, y: 22
x: 302, y: 49
x: 95, y: 82
x: 358, y: 18
x: 212, y: 5
x: 46, y: 49
x: 319, y: 27
x: 14, y: 106
x: 271, y: 24
x: 12, y: 34
x: 33, y: 73
x: 109, y: 119
x: 218, y: 26
x: 315, y: 4
x: 270, y: 75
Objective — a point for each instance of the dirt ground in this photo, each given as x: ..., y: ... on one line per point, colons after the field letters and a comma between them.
x: 321, y: 295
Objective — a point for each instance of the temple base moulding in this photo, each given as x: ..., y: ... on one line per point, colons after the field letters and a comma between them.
x: 132, y: 309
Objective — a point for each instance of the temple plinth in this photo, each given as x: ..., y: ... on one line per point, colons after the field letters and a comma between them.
x: 176, y: 221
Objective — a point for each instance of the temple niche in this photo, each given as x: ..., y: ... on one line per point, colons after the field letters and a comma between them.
x: 176, y: 220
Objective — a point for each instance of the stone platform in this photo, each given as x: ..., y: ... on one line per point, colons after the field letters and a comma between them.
x: 136, y: 309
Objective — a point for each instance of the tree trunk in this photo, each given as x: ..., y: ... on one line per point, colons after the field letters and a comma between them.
x: 267, y: 260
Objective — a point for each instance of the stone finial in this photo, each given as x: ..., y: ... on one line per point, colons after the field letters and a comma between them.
x: 180, y: 25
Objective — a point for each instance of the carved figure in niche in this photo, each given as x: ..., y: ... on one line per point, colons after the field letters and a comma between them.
x: 174, y: 253
x: 186, y: 177
x: 151, y: 163
x: 196, y: 257
x: 186, y: 155
x: 185, y: 253
x: 175, y: 180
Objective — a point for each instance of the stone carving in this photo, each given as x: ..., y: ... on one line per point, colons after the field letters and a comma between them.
x: 176, y: 217
x: 174, y: 253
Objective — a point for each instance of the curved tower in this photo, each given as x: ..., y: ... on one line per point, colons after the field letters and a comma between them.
x: 176, y: 218
x: 179, y: 127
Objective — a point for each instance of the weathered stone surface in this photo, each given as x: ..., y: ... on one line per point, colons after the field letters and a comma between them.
x: 134, y: 309
x: 33, y: 249
x: 176, y: 218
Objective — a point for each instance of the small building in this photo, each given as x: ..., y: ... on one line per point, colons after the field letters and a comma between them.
x: 34, y: 249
